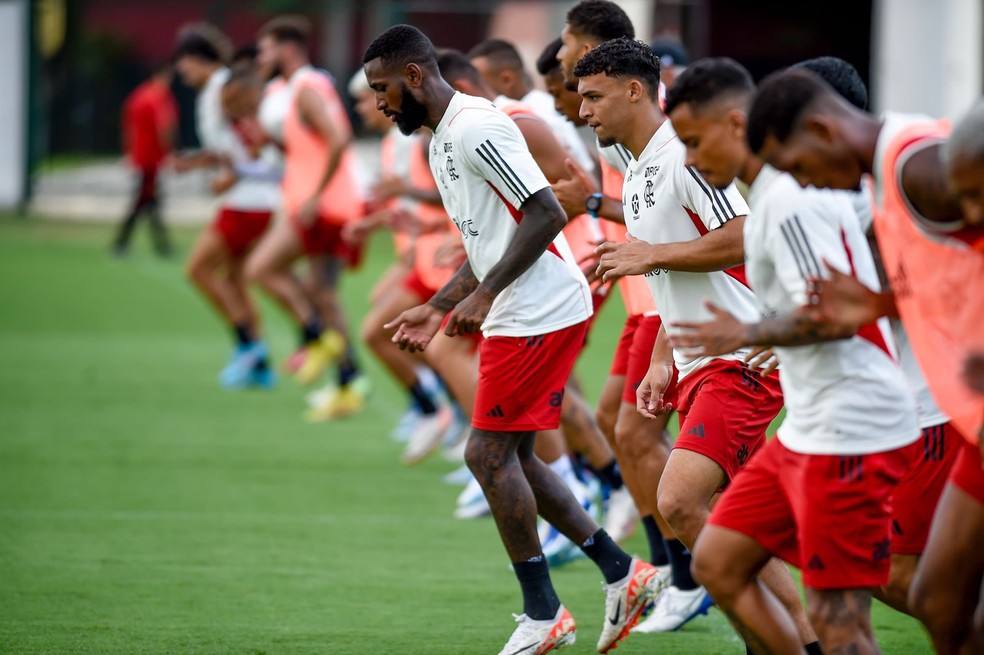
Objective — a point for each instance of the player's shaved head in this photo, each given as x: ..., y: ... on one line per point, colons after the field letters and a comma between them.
x: 599, y: 20
x: 622, y: 58
x: 710, y: 82
x: 456, y: 67
x: 963, y: 155
x: 840, y: 75
x: 782, y: 101
x: 401, y: 45
x: 547, y: 62
x: 501, y: 54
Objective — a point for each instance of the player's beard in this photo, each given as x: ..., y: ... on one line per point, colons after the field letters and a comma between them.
x: 412, y: 114
x: 606, y: 141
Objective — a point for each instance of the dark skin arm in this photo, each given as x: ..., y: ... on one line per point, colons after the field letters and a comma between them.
x: 925, y: 186
x: 715, y: 251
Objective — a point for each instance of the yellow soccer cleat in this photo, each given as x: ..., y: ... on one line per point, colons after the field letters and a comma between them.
x: 320, y: 355
x: 341, y: 402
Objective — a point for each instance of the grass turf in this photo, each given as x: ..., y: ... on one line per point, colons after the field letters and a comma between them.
x: 145, y: 510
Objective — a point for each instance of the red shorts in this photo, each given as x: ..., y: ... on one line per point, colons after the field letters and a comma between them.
x: 240, y: 230
x: 640, y: 357
x: 620, y: 362
x: 829, y: 515
x: 415, y: 285
x: 323, y: 237
x: 521, y: 380
x: 914, y: 502
x: 475, y: 337
x: 725, y: 409
x: 967, y: 472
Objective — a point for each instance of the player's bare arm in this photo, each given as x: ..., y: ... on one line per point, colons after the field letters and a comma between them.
x: 925, y: 185
x: 715, y: 251
x: 550, y: 156
x: 315, y: 115
x: 543, y: 219
x: 649, y: 396
x: 841, y: 301
x: 726, y: 334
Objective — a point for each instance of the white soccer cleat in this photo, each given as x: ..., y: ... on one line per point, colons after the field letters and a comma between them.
x: 471, y: 502
x: 674, y: 608
x: 625, y: 602
x: 622, y: 516
x: 460, y: 476
x: 538, y: 637
x: 426, y: 436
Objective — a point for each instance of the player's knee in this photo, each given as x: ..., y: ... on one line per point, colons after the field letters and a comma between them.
x: 627, y: 440
x: 254, y: 271
x: 372, y: 332
x: 830, y: 611
x: 675, y: 506
x: 605, y: 418
x: 708, y: 569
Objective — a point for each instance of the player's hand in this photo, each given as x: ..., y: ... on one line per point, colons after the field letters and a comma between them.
x: 841, y: 300
x: 403, y: 221
x: 415, y: 327
x: 649, y: 395
x: 719, y: 336
x: 307, y: 213
x: 386, y: 187
x: 973, y: 372
x: 356, y: 232
x: 763, y: 360
x: 181, y: 163
x: 470, y: 313
x: 589, y: 265
x: 224, y: 180
x: 573, y: 191
x: 620, y: 259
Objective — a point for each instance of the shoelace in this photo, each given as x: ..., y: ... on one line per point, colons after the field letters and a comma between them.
x: 522, y: 633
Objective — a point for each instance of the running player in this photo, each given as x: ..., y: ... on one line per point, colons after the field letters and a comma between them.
x: 819, y: 495
x: 215, y: 264
x: 915, y: 498
x: 521, y: 287
x: 686, y: 240
x: 320, y: 195
x: 798, y: 123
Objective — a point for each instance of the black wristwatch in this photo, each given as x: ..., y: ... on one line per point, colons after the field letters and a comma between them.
x: 593, y: 204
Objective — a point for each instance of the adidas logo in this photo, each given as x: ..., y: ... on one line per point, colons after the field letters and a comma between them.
x: 815, y: 564
x: 896, y: 528
x: 496, y: 412
x: 696, y: 431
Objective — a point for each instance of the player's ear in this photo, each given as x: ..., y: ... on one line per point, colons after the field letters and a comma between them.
x: 737, y: 123
x: 414, y: 75
x: 821, y: 128
x: 635, y: 90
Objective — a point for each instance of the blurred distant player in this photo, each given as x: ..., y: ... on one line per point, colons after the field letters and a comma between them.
x: 673, y: 60
x: 521, y: 287
x: 215, y: 265
x: 320, y: 195
x: 404, y: 199
x: 150, y: 117
x: 927, y: 238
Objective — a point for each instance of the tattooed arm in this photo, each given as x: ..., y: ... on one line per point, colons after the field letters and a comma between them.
x: 459, y: 287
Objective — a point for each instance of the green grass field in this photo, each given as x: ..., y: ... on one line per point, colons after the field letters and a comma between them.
x: 145, y: 510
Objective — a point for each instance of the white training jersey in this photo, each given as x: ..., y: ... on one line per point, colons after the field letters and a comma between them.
x: 259, y: 192
x: 845, y: 397
x: 485, y: 173
x: 274, y: 107
x: 615, y: 156
x: 664, y: 201
x: 543, y: 104
x: 929, y: 412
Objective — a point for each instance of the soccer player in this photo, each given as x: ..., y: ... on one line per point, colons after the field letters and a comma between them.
x: 215, y: 264
x: 150, y: 117
x: 800, y: 124
x: 915, y: 498
x: 673, y: 60
x: 521, y: 287
x: 686, y: 241
x: 819, y: 495
x: 320, y: 195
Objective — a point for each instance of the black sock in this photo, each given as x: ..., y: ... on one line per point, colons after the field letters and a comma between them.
x: 612, y: 560
x: 423, y: 400
x: 679, y: 558
x: 813, y: 648
x: 244, y: 334
x: 311, y: 331
x: 609, y: 475
x: 540, y: 601
x: 347, y: 371
x: 657, y: 549
x: 748, y: 650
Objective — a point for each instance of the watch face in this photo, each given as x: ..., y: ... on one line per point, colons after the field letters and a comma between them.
x: 593, y: 203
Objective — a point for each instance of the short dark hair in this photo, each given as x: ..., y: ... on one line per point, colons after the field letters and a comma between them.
x: 402, y: 44
x: 288, y: 29
x: 780, y: 103
x: 204, y: 41
x: 706, y: 81
x: 622, y: 57
x: 454, y: 66
x: 502, y: 53
x: 547, y: 62
x: 670, y: 53
x: 841, y: 76
x: 600, y: 19
x: 245, y: 55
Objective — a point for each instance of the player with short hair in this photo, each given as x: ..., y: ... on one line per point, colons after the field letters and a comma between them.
x: 521, y: 287
x: 320, y: 195
x: 819, y: 495
x: 798, y: 123
x: 687, y: 242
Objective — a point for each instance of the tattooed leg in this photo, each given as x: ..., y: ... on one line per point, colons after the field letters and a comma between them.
x: 842, y: 618
x: 492, y: 459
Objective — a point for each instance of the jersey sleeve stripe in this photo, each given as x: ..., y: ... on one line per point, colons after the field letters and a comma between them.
x: 623, y: 153
x: 794, y: 248
x: 506, y: 171
x: 703, y: 188
x: 493, y: 163
x: 798, y: 227
x: 723, y: 196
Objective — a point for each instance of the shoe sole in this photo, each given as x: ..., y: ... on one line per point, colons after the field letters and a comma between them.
x: 565, y: 640
x: 641, y: 602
